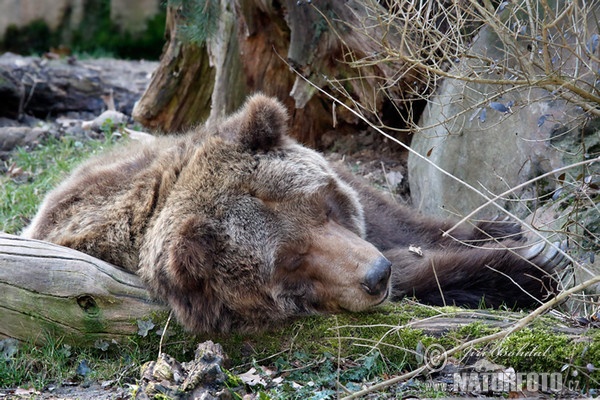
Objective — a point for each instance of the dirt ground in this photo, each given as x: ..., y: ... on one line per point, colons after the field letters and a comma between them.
x: 94, y: 391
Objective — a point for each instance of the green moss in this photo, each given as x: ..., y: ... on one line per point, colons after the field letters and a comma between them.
x: 539, y: 349
x: 352, y: 348
x: 346, y: 335
x: 352, y: 336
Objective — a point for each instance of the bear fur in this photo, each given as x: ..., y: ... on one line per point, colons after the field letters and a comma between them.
x: 239, y: 227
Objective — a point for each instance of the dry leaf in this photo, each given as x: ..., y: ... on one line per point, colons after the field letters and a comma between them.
x: 252, y: 378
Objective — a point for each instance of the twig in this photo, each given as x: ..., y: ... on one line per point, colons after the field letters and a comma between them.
x: 490, y: 201
x: 164, y: 332
x: 438, y: 283
x: 512, y: 189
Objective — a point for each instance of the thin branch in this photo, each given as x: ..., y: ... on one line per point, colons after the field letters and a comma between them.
x: 490, y: 201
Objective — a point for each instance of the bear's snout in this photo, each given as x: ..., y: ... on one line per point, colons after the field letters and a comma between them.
x: 377, y: 278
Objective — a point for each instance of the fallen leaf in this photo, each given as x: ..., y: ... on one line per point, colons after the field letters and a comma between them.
x: 144, y: 327
x: 101, y: 344
x: 83, y: 369
x: 8, y: 348
x: 252, y: 378
x: 494, y: 105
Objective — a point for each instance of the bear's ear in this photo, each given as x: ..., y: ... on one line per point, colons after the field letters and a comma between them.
x: 260, y: 124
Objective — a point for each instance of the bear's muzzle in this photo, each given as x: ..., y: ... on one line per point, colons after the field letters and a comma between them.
x: 377, y: 278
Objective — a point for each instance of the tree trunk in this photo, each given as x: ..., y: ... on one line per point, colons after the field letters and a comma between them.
x: 178, y: 95
x: 253, y: 48
x: 48, y: 288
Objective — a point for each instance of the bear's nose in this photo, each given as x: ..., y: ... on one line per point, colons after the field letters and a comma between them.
x: 376, y: 280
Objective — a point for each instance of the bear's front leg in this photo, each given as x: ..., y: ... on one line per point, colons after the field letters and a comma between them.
x: 489, y: 276
x: 391, y: 225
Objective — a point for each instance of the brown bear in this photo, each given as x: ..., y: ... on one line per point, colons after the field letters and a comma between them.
x: 238, y: 227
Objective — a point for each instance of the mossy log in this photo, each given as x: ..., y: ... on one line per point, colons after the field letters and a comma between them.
x: 50, y: 289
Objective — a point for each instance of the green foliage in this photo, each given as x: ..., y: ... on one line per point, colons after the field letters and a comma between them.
x: 200, y: 19
x: 36, y: 172
x: 54, y: 362
x: 36, y: 37
x: 97, y: 36
x: 35, y: 366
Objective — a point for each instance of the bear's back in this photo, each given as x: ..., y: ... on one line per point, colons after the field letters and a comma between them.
x: 104, y: 207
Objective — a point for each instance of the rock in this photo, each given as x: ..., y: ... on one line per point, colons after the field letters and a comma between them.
x: 495, y: 142
x: 394, y: 178
x: 206, y: 366
x: 201, y: 378
x: 6, y: 122
x: 18, y: 136
x: 111, y: 117
x: 485, y: 365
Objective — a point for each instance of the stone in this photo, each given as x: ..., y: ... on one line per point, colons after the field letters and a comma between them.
x: 201, y: 378
x: 493, y: 137
x: 18, y: 136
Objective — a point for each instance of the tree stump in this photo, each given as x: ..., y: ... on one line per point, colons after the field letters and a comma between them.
x: 50, y: 289
x: 252, y: 49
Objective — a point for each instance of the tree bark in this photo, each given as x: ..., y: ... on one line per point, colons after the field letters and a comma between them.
x: 50, y: 289
x: 253, y: 49
x: 41, y: 87
x: 178, y: 95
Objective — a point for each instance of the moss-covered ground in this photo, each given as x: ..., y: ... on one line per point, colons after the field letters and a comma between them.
x: 323, y: 356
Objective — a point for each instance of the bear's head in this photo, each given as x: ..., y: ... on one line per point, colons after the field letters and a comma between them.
x: 258, y: 229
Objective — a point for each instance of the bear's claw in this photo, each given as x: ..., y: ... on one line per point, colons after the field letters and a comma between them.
x: 534, y: 251
x: 545, y: 254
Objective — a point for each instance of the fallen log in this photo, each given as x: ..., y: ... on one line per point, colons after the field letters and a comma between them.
x: 50, y: 289
x: 42, y: 87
